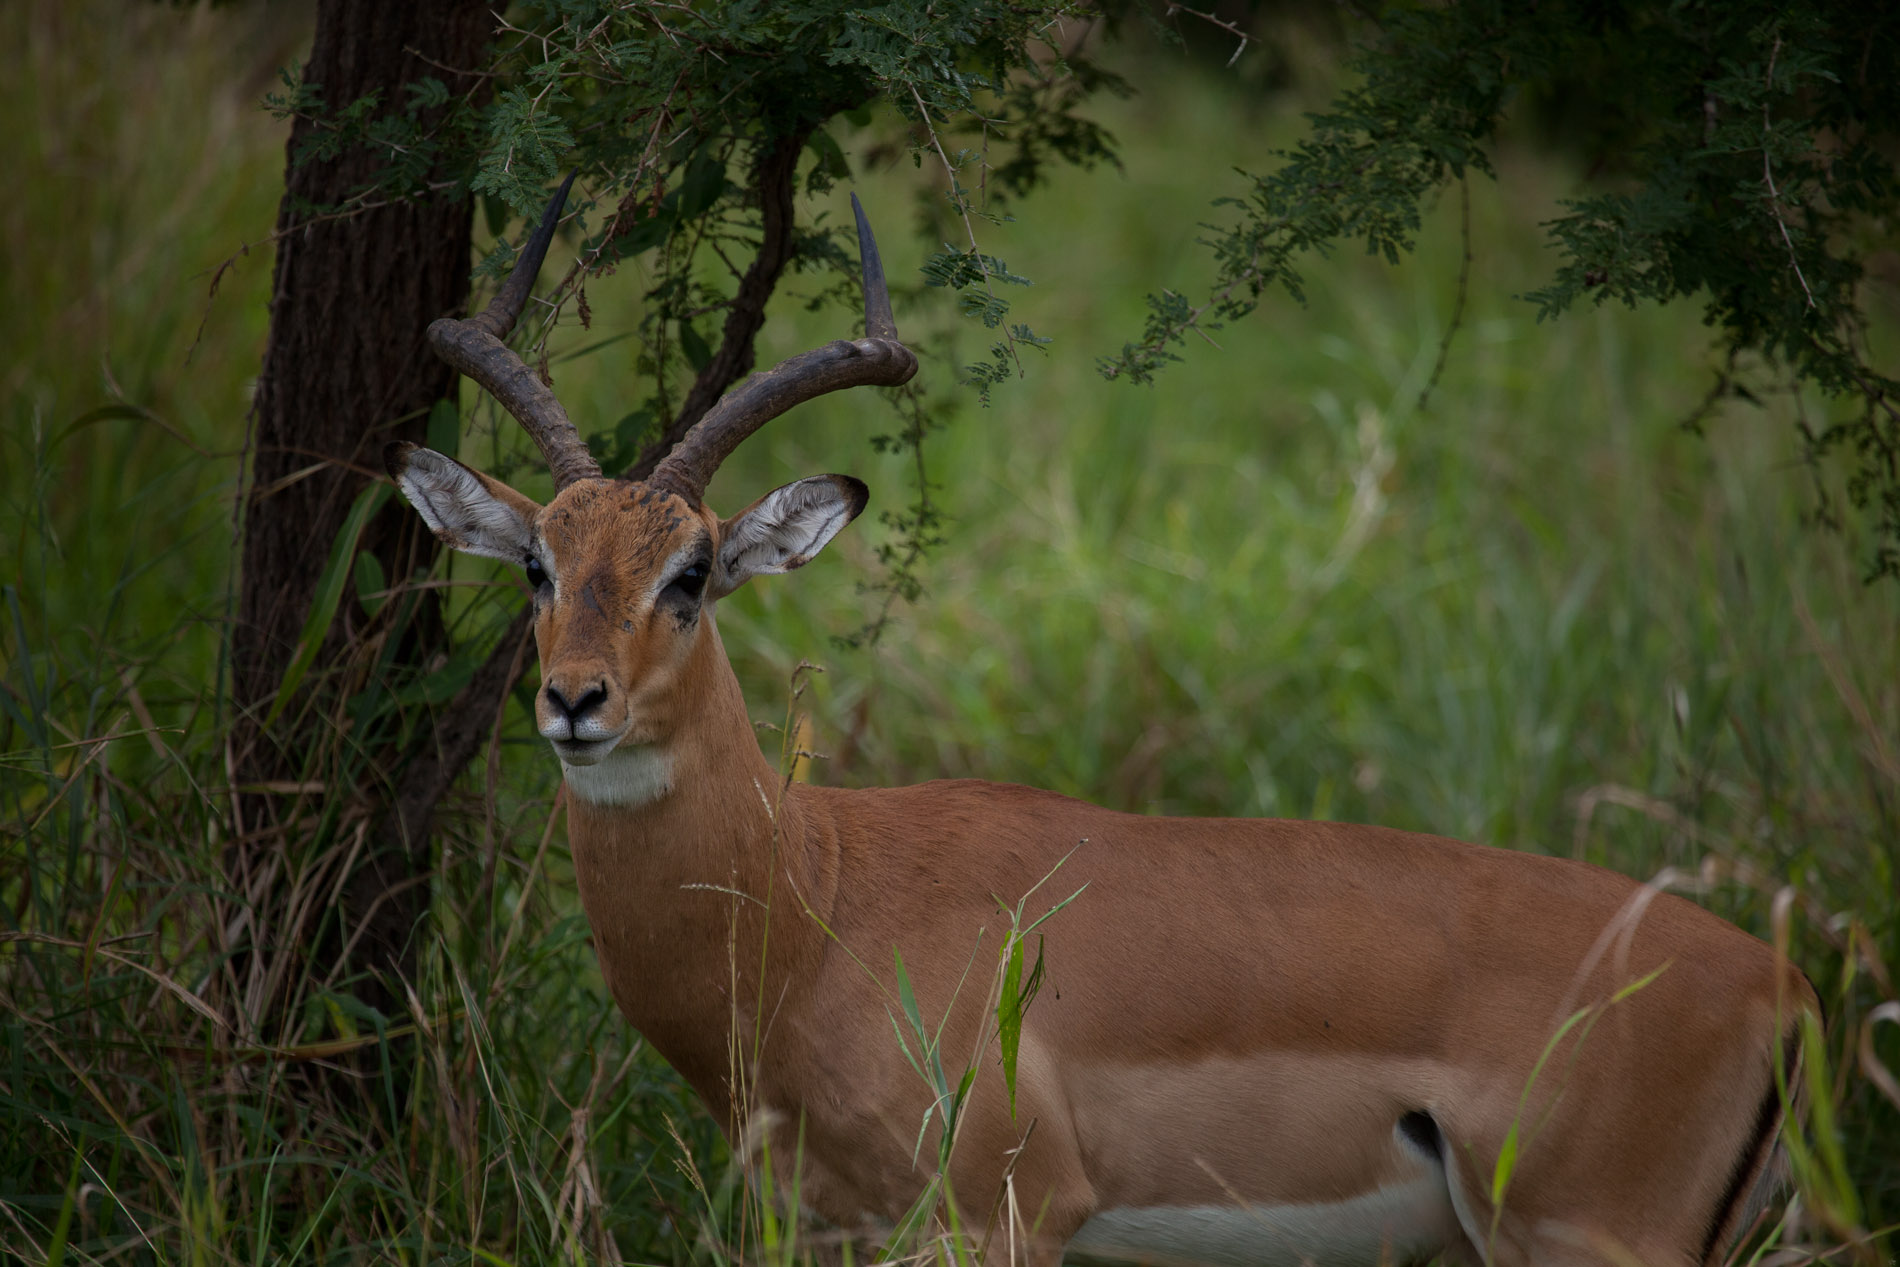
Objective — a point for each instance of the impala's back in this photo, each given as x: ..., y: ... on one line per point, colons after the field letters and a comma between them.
x: 1256, y: 1042
x: 1318, y: 1037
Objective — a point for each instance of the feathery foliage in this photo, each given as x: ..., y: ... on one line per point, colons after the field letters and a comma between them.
x: 1740, y: 155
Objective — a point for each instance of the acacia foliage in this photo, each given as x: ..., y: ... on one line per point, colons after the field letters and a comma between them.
x: 1740, y: 154
x: 680, y: 116
x: 668, y: 110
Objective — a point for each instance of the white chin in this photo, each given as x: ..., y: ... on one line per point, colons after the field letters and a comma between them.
x: 583, y: 752
x: 630, y: 776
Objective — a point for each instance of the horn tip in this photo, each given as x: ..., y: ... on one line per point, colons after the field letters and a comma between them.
x: 879, y: 323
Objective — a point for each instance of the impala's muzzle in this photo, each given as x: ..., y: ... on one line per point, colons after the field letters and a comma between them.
x: 581, y: 718
x: 577, y: 711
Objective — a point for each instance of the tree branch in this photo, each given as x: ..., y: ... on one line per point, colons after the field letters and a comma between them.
x: 776, y: 183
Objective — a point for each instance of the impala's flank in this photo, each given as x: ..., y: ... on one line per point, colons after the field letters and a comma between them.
x: 1260, y: 1042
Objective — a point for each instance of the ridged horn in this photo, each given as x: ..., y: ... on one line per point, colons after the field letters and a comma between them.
x: 880, y: 359
x: 474, y: 346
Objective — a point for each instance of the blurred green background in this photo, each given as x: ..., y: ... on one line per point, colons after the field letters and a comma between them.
x: 1537, y: 612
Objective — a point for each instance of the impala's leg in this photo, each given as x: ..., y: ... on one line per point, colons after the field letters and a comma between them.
x: 1661, y: 1183
x: 1044, y: 1235
x: 1032, y: 1164
x: 1043, y: 1199
x: 1420, y: 1132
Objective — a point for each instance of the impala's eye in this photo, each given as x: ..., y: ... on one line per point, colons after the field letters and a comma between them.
x: 690, y: 582
x: 536, y: 577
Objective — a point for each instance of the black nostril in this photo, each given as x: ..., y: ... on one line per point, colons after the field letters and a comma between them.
x: 595, y: 697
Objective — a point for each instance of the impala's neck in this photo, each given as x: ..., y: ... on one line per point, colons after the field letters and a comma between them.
x: 685, y: 852
x: 701, y: 795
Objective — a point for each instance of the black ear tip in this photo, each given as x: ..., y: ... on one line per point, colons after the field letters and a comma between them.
x: 857, y: 492
x: 396, y: 457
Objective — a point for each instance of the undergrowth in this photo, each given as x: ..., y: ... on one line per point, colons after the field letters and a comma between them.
x: 1535, y: 612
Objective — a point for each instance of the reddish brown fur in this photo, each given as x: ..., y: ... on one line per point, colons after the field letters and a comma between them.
x: 1233, y: 1008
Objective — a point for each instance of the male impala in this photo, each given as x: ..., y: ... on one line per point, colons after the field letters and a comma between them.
x: 1258, y: 1042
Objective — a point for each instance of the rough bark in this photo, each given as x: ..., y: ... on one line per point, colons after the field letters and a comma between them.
x: 346, y: 371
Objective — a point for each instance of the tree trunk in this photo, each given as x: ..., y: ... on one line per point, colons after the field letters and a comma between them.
x: 345, y: 372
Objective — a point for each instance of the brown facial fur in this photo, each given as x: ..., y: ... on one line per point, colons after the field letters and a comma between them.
x: 606, y: 542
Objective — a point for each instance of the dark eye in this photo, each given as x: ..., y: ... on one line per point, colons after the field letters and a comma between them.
x: 536, y: 577
x: 691, y: 581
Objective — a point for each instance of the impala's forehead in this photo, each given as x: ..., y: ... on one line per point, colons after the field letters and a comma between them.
x: 622, y: 521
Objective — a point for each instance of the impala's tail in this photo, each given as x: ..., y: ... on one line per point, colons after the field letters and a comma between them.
x: 1762, y: 1170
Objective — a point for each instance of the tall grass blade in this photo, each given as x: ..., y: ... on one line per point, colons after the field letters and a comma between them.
x: 328, y: 592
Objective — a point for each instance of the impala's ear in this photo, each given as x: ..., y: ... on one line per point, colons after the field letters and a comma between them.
x: 785, y: 528
x: 466, y: 509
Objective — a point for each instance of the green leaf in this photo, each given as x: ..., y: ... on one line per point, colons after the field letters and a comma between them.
x: 698, y: 353
x: 444, y: 684
x: 831, y: 165
x: 445, y: 428
x: 1507, y: 1164
x: 427, y: 93
x: 103, y: 413
x: 906, y: 998
x: 915, y: 1220
x: 904, y: 1047
x: 704, y: 182
x: 62, y: 1227
x: 1009, y: 1014
x: 370, y: 583
x: 1831, y: 1177
x: 328, y: 592
x: 495, y: 215
x: 647, y: 232
x: 956, y: 1107
x: 1639, y: 983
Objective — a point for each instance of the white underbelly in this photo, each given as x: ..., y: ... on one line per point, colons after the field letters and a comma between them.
x: 1408, y: 1222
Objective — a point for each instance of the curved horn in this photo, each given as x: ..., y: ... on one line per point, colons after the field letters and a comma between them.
x: 474, y: 346
x: 879, y: 359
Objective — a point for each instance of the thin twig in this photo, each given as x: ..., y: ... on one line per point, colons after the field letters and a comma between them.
x: 1464, y: 281
x: 1768, y: 176
x: 873, y: 629
x: 1192, y: 322
x: 1231, y: 28
x: 466, y: 71
x: 344, y: 212
x: 962, y: 204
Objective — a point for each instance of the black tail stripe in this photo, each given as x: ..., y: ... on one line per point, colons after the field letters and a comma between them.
x: 1755, y: 1155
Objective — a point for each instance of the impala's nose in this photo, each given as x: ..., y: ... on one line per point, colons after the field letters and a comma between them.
x: 574, y: 711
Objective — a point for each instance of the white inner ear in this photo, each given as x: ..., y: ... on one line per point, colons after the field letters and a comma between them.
x: 783, y: 530
x: 460, y: 510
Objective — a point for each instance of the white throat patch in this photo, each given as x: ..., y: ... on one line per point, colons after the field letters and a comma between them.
x: 630, y: 775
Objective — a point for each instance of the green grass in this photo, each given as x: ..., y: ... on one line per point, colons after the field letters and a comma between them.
x: 1536, y: 613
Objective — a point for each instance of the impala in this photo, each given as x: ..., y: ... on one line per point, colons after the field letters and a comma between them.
x: 1257, y: 1041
